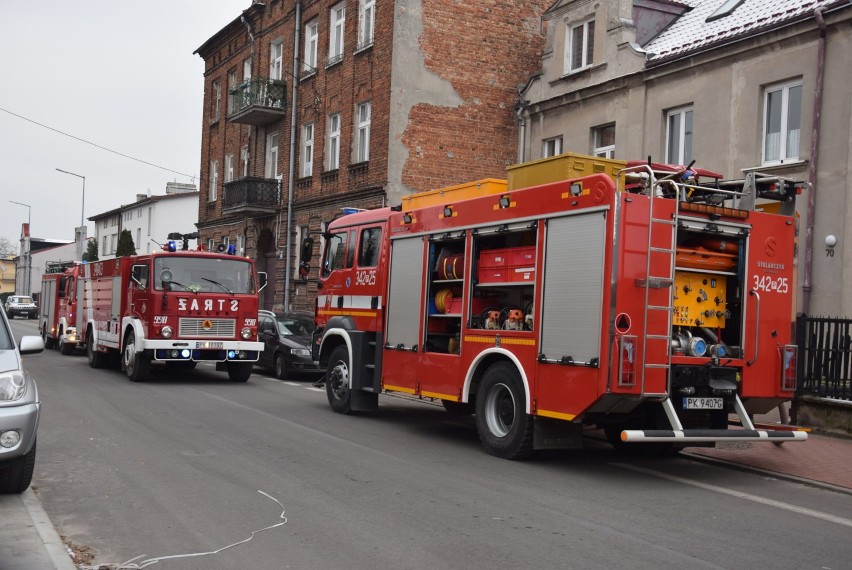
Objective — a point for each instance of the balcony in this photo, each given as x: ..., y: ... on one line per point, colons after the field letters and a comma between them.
x: 258, y: 101
x: 252, y: 197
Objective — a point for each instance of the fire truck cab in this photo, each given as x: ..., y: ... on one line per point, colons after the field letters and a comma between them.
x: 652, y: 304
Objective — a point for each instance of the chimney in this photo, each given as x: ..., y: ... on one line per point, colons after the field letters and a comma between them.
x: 140, y: 197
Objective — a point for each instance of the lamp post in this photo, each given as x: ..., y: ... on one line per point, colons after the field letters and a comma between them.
x: 83, y: 209
x: 26, y: 252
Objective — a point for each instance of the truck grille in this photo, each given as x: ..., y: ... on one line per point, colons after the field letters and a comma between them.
x: 215, y: 328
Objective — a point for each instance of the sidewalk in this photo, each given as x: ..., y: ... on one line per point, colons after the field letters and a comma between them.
x: 29, y: 540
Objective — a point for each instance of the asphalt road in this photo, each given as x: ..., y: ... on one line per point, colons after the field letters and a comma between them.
x: 194, y: 471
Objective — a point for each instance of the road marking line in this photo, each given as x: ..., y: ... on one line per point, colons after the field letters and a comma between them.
x: 293, y: 384
x: 314, y: 389
x: 741, y: 495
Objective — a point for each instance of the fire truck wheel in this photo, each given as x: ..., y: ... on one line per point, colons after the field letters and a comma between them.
x: 137, y: 365
x: 337, y: 381
x: 239, y: 371
x: 458, y: 408
x: 66, y: 348
x: 505, y: 429
x: 280, y: 367
x: 96, y: 359
x: 49, y: 343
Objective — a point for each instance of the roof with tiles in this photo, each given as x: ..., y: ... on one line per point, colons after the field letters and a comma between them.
x: 692, y: 32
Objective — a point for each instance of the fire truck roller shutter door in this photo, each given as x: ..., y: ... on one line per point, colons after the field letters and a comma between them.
x: 573, y: 287
x: 404, y: 292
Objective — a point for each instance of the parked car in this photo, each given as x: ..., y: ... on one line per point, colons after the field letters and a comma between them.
x: 19, y: 411
x: 21, y: 305
x: 287, y: 343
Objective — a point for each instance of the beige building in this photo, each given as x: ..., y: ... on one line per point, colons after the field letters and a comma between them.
x: 736, y: 85
x: 7, y: 275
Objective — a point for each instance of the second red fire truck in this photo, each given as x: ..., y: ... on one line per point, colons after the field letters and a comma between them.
x: 649, y: 303
x: 174, y: 307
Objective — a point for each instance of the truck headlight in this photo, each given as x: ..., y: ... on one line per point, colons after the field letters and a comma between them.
x: 246, y: 333
x: 166, y: 332
x: 12, y: 386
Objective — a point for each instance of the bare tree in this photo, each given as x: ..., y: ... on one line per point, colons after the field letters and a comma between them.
x: 8, y: 248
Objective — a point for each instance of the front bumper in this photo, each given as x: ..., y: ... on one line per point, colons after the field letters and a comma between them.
x: 203, y: 350
x: 24, y: 419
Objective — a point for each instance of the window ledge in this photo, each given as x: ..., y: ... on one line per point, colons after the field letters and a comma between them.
x: 333, y: 60
x: 776, y: 167
x: 577, y: 73
x: 363, y: 47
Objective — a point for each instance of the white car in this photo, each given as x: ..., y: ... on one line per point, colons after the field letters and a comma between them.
x: 21, y: 305
x: 19, y: 411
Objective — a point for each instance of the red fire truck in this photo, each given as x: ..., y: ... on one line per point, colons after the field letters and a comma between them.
x: 651, y: 304
x: 174, y: 307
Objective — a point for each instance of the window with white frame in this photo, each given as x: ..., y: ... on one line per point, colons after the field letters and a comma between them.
x: 679, y: 136
x: 579, y: 46
x: 210, y: 246
x: 603, y: 141
x: 214, y: 181
x: 782, y: 122
x: 309, y: 65
x: 138, y: 237
x: 332, y: 147
x: 335, y: 37
x: 276, y: 59
x: 217, y: 99
x: 308, y: 149
x: 302, y: 233
x: 229, y: 167
x: 362, y: 132
x: 272, y: 156
x: 551, y: 147
x: 366, y: 22
x: 104, y: 248
x: 246, y: 69
x: 241, y: 244
x: 244, y: 160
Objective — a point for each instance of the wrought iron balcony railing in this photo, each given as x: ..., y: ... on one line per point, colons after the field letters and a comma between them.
x: 252, y: 196
x: 257, y: 101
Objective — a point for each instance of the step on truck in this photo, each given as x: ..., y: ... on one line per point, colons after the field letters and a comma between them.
x: 647, y: 301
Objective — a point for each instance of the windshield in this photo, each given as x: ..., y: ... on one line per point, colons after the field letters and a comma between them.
x: 5, y: 337
x: 295, y: 326
x: 22, y: 300
x: 204, y: 275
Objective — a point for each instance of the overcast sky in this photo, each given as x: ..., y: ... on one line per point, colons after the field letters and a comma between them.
x: 121, y: 75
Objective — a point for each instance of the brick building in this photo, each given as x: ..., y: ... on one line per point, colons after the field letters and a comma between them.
x: 383, y: 99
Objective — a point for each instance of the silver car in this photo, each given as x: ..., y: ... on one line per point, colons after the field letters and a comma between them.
x: 22, y: 306
x: 19, y: 411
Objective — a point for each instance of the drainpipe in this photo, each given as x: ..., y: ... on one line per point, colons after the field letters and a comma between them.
x: 522, y: 122
x: 813, y: 164
x: 292, y: 166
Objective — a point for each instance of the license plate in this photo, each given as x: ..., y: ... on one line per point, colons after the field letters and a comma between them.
x: 703, y: 403
x: 208, y: 344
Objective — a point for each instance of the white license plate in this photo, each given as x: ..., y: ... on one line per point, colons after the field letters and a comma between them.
x: 208, y: 344
x: 703, y: 403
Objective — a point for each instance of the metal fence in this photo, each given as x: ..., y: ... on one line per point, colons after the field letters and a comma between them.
x: 825, y: 357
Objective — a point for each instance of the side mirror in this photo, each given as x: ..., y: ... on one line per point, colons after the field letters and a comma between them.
x: 261, y: 280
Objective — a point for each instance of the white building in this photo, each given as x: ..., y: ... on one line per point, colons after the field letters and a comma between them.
x: 150, y: 220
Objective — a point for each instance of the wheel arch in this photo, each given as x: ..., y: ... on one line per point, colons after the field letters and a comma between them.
x: 128, y: 324
x: 481, y: 363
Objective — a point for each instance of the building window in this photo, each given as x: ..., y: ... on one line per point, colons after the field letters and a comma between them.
x: 138, y: 237
x: 366, y: 22
x: 214, y: 180
x: 272, y: 156
x: 604, y: 141
x: 150, y: 217
x: 551, y: 147
x: 276, y: 59
x: 210, y: 246
x: 679, y: 136
x: 335, y: 38
x: 229, y: 167
x: 362, y: 138
x: 244, y: 159
x: 217, y: 99
x: 309, y: 65
x: 308, y: 150
x: 579, y: 46
x: 246, y: 69
x: 333, y: 143
x: 782, y: 122
x: 104, y: 248
x: 241, y: 244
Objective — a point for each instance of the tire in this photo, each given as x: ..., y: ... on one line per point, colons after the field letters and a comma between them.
x: 66, y: 348
x: 459, y: 408
x: 49, y: 342
x: 16, y: 475
x: 239, y: 371
x: 337, y: 381
x: 505, y: 429
x: 96, y: 359
x: 136, y: 365
x: 280, y: 367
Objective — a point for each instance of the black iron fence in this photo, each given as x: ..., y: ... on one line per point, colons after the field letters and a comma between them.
x: 260, y: 91
x: 825, y: 357
x: 252, y: 192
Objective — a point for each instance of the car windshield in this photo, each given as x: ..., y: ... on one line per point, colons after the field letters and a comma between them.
x: 22, y: 300
x: 295, y: 326
x: 5, y: 337
x: 204, y: 274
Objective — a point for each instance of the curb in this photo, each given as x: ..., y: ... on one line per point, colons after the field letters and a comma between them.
x: 49, y: 537
x: 775, y: 474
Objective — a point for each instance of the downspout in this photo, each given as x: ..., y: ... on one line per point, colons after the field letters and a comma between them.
x: 522, y: 121
x: 292, y: 166
x: 813, y: 164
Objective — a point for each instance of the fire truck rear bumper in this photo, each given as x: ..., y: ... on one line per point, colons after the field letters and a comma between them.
x: 710, y: 435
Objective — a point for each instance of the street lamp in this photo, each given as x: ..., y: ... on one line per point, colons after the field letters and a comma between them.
x: 27, y: 253
x: 83, y: 209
